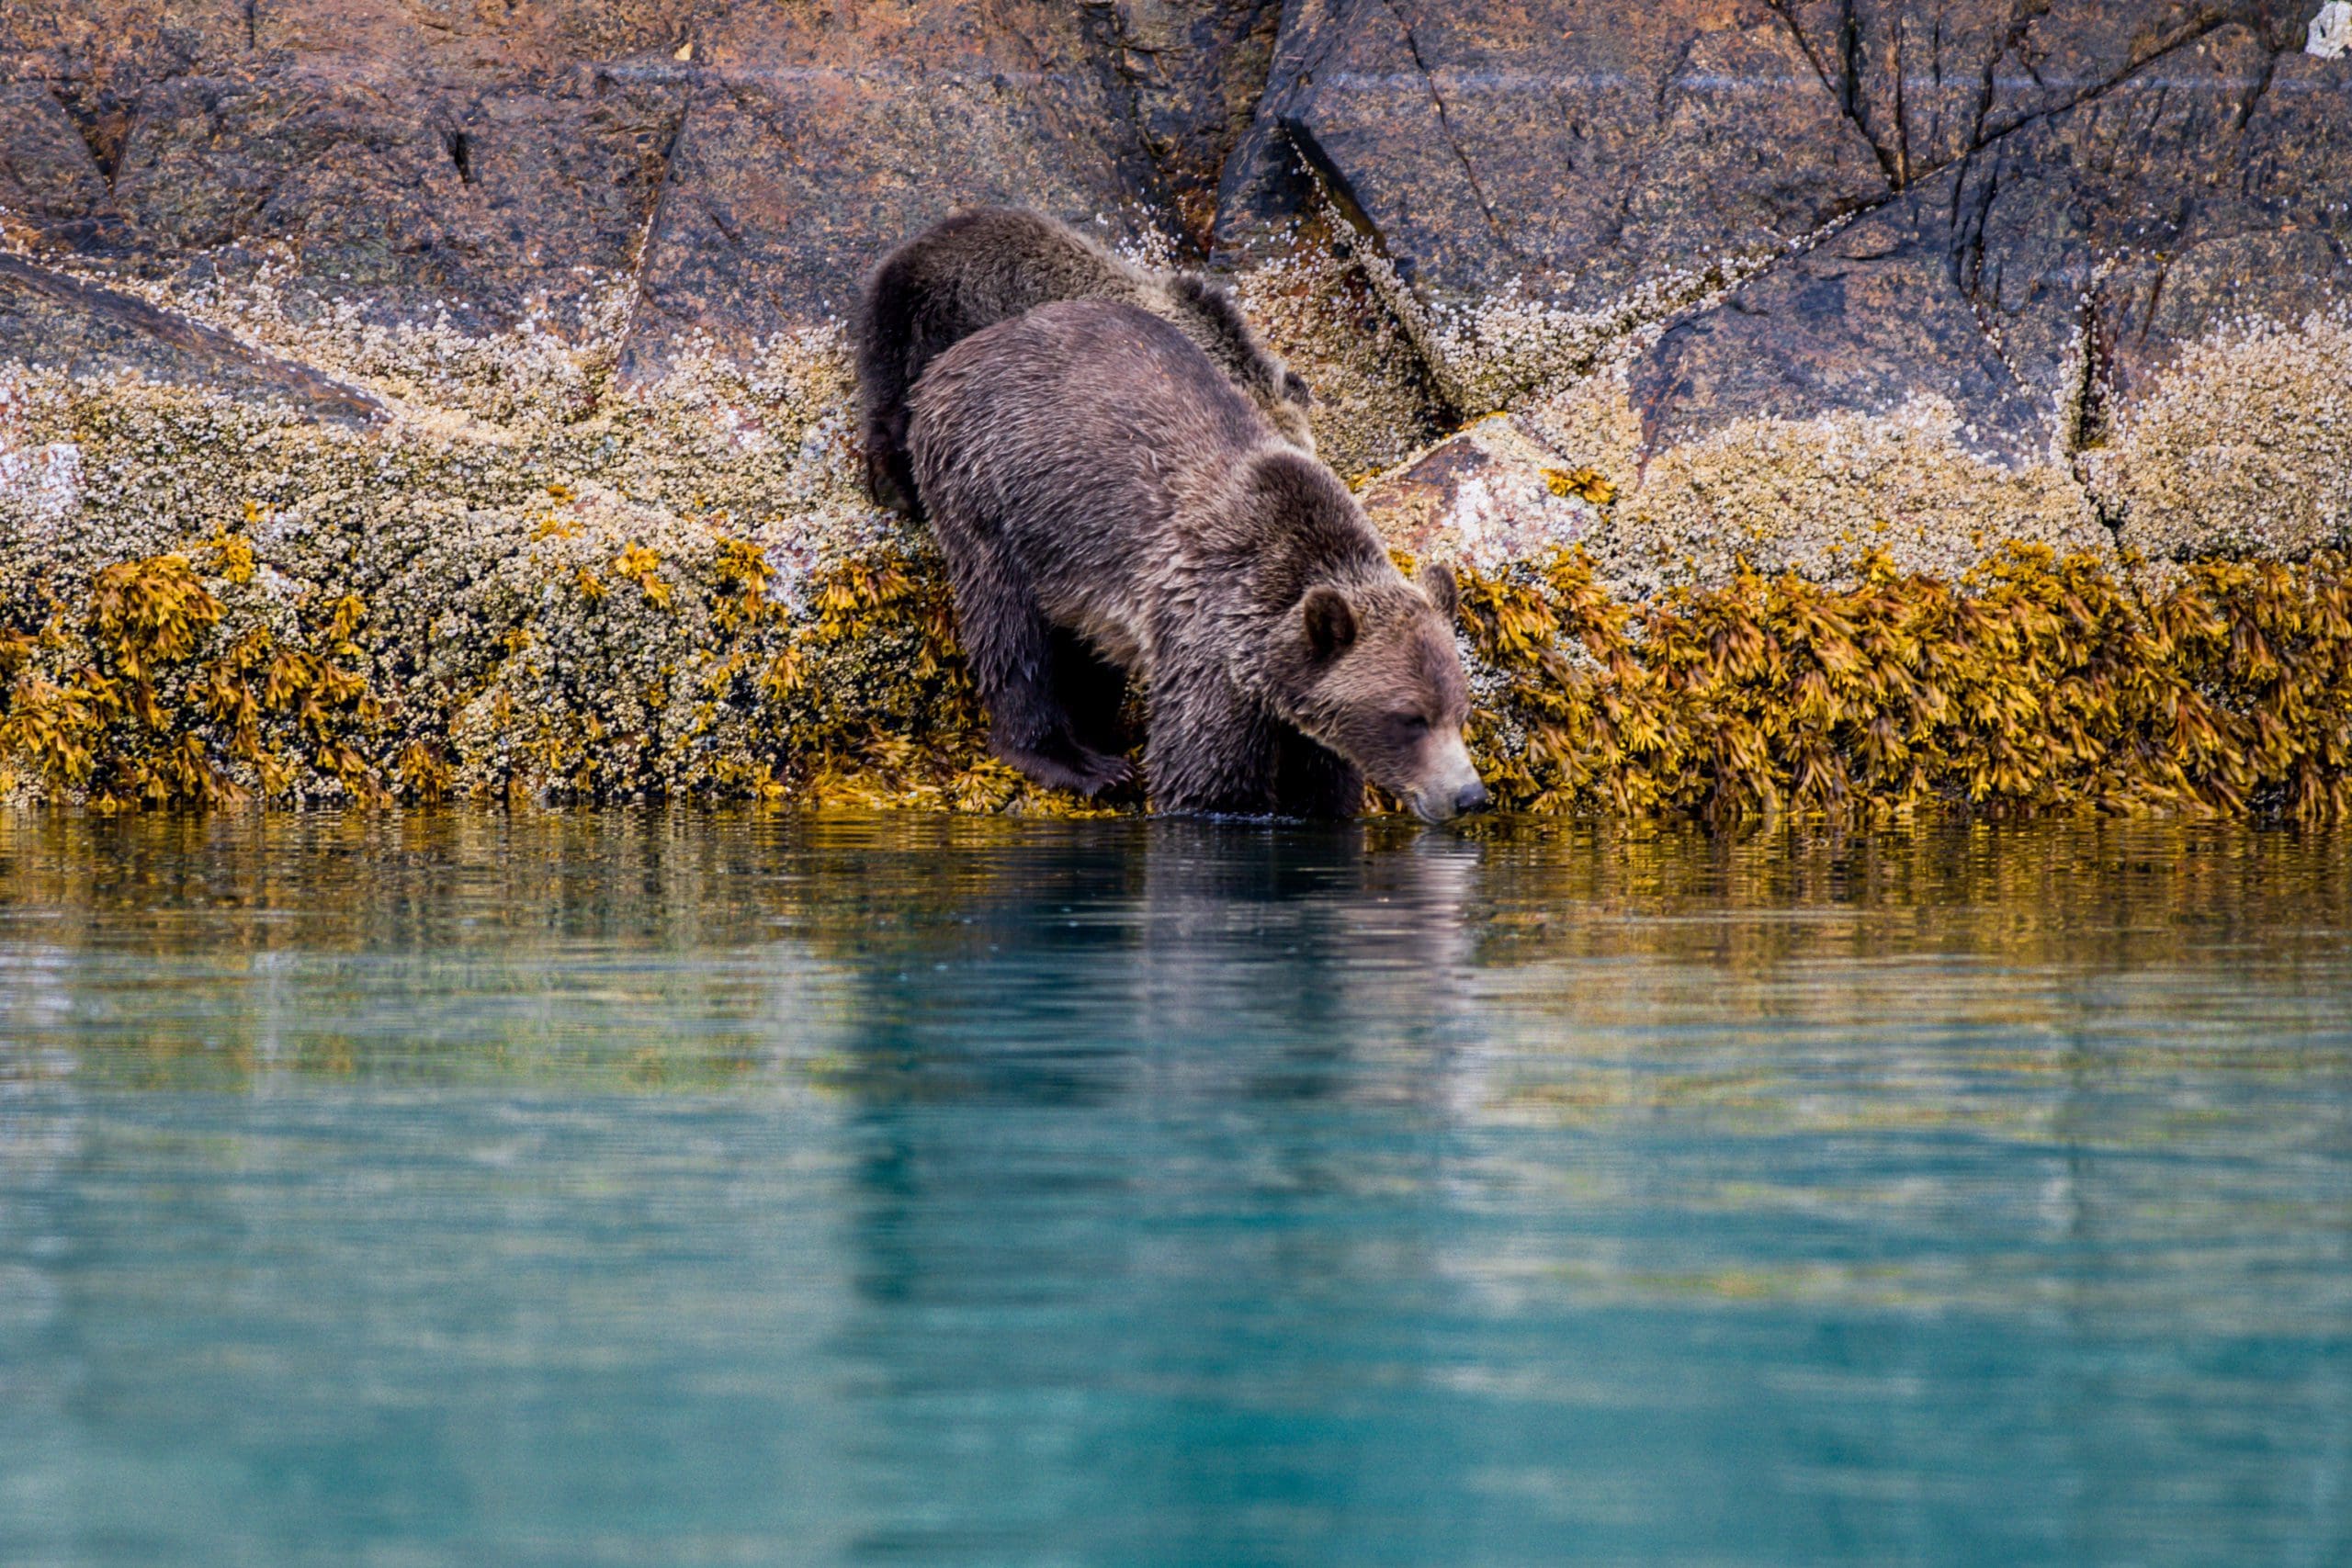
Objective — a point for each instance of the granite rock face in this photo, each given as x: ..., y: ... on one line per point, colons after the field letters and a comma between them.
x: 1570, y: 156
x: 1931, y: 81
x: 2084, y: 244
x: 2043, y: 279
x: 410, y: 157
x: 815, y: 136
x: 1197, y: 68
x: 1714, y: 249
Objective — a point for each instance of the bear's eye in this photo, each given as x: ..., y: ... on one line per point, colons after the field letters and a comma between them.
x: 1407, y: 726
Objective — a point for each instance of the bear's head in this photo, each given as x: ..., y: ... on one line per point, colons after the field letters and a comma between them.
x: 1382, y: 685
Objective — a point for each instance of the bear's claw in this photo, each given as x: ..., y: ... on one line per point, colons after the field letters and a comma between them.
x: 1072, y: 766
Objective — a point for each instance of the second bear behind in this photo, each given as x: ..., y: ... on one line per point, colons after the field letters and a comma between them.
x: 988, y: 264
x: 1093, y: 477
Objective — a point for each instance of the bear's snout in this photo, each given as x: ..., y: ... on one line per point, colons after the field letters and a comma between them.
x: 1454, y: 791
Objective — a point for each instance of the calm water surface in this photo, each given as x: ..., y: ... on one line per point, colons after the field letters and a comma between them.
x: 680, y: 1189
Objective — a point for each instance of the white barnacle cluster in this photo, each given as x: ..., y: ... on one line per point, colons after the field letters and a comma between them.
x: 1514, y: 347
x: 2329, y: 37
x: 1147, y: 244
x: 2241, y: 446
x: 40, y: 481
x: 1822, y: 495
x: 1321, y: 313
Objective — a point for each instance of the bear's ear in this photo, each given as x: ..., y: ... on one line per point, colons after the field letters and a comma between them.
x: 1436, y: 581
x: 1296, y: 389
x: 1331, y: 621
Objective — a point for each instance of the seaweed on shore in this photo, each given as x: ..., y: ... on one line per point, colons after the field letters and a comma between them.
x: 2037, y: 683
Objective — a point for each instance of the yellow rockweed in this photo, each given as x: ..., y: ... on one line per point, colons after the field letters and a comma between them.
x: 2037, y: 683
x: 642, y: 567
x: 144, y: 703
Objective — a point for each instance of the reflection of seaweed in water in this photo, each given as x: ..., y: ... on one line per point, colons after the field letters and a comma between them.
x: 985, y: 1017
x: 1042, y: 1017
x: 1222, y: 1166
x: 2030, y: 892
x: 927, y: 958
x: 431, y: 947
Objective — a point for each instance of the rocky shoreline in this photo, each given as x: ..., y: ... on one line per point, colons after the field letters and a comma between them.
x: 402, y: 401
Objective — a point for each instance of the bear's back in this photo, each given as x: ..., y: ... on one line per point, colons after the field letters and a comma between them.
x: 988, y: 264
x: 1085, y: 392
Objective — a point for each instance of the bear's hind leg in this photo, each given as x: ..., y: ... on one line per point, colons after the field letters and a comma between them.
x: 1011, y: 649
x: 889, y: 475
x: 1092, y: 691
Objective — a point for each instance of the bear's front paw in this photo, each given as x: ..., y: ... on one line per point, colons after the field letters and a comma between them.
x: 1102, y: 771
x: 1064, y: 764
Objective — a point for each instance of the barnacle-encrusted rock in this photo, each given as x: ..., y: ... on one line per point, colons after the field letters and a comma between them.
x: 1841, y: 405
x: 1493, y: 494
x: 1819, y: 496
x: 62, y: 322
x: 1375, y: 402
x: 2243, y: 447
x: 2057, y: 203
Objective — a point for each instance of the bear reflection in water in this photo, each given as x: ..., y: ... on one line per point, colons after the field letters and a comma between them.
x: 1203, y: 957
x: 1075, y: 1038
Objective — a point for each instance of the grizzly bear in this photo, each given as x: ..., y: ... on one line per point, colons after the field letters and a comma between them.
x: 1106, y: 499
x: 988, y: 264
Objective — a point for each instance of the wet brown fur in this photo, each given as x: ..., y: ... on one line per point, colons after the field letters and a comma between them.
x: 988, y: 264
x: 1108, y: 501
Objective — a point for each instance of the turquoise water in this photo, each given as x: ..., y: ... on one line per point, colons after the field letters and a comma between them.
x: 680, y: 1189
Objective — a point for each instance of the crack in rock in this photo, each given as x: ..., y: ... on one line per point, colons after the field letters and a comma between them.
x: 1454, y: 141
x: 324, y: 393
x: 1846, y: 92
x: 1345, y: 212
